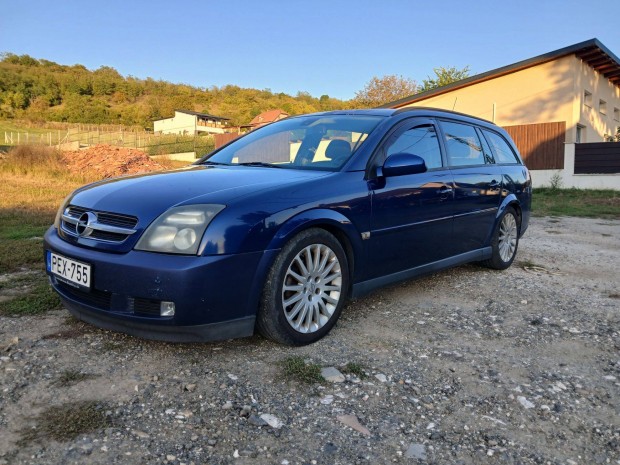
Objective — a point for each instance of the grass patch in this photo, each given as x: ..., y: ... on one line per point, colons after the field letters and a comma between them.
x: 34, y: 183
x: 588, y: 203
x: 529, y: 264
x: 356, y: 369
x: 295, y: 368
x: 71, y: 377
x: 39, y: 300
x: 67, y: 421
x: 16, y: 281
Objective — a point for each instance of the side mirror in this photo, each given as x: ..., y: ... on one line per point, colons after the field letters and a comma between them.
x: 400, y: 164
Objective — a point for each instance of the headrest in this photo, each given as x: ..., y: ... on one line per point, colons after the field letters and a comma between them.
x: 338, y: 150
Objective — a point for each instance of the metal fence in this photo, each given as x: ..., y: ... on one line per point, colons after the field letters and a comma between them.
x: 76, y: 138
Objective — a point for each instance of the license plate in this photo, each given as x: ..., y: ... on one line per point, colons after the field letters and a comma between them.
x: 68, y: 270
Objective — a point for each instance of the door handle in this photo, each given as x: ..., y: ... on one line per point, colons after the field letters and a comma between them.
x: 444, y: 190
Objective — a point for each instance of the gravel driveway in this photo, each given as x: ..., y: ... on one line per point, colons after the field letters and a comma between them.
x: 469, y: 366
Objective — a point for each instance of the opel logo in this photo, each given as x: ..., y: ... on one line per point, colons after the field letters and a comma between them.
x: 82, y: 228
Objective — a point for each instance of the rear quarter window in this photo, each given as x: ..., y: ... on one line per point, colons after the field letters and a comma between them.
x: 502, y: 150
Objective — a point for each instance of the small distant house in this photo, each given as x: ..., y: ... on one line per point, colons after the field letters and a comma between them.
x: 267, y: 117
x: 191, y: 123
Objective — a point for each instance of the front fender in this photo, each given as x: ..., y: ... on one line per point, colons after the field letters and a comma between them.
x: 317, y: 218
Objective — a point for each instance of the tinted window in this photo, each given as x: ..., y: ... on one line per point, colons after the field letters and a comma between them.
x: 503, y: 152
x: 462, y: 144
x: 421, y: 141
x: 486, y: 150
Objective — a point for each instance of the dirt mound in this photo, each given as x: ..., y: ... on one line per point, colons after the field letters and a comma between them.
x: 106, y: 161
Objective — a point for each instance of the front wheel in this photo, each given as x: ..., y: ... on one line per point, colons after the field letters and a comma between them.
x: 505, y: 241
x: 305, y: 289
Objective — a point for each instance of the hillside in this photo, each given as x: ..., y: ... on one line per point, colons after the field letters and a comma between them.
x: 41, y: 90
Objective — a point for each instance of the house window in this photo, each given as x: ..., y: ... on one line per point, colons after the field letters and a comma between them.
x: 616, y: 114
x: 581, y: 134
x: 602, y: 107
x: 587, y: 98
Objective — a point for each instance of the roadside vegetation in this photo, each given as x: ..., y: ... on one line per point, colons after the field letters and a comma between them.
x: 34, y: 183
x: 576, y: 202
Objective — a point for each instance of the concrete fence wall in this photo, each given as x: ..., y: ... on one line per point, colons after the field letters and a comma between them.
x: 568, y: 178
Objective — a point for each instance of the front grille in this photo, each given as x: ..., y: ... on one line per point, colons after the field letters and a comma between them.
x: 94, y: 298
x: 113, y: 219
x: 104, y: 218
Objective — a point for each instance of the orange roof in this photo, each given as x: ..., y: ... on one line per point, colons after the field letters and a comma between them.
x: 268, y: 117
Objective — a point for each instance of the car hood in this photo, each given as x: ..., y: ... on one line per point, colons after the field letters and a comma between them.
x: 147, y: 196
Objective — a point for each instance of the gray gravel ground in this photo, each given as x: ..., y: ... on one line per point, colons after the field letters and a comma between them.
x: 469, y: 366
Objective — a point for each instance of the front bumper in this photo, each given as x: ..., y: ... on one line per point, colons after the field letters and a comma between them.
x: 215, y: 297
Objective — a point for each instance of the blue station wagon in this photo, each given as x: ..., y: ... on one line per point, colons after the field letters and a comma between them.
x: 274, y: 231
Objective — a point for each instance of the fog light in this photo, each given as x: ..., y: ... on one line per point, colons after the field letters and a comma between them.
x: 166, y: 309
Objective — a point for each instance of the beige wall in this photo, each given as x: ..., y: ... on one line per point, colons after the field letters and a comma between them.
x: 545, y: 93
x: 596, y: 124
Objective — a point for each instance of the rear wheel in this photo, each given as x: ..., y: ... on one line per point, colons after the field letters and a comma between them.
x: 305, y: 290
x: 505, y: 241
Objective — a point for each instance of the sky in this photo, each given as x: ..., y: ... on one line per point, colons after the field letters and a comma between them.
x: 317, y: 46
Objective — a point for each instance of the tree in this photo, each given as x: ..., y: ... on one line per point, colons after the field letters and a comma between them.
x: 379, y: 91
x: 443, y: 77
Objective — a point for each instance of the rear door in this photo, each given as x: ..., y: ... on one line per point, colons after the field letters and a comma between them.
x: 412, y: 214
x: 478, y: 185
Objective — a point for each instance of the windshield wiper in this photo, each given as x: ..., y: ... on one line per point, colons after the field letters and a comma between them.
x: 214, y: 163
x: 259, y: 163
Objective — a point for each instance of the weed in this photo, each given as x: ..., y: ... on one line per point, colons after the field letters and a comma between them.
x: 41, y: 299
x: 555, y: 183
x: 614, y: 296
x: 589, y: 203
x: 296, y: 368
x: 19, y: 280
x: 355, y: 369
x: 529, y: 264
x: 71, y: 377
x: 67, y: 421
x: 110, y: 346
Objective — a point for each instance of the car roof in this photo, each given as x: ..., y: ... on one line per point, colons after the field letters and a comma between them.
x: 406, y: 111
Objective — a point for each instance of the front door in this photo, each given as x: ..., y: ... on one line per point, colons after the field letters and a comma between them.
x: 412, y: 214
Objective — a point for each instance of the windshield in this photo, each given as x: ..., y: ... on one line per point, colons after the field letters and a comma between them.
x: 310, y: 142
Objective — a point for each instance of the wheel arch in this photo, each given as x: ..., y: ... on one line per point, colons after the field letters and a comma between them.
x: 510, y: 201
x: 331, y: 221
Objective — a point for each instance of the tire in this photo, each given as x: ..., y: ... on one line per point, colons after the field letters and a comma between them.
x: 505, y: 241
x: 303, y: 296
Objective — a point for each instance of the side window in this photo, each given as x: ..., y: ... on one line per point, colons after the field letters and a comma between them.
x: 503, y: 151
x: 421, y: 141
x: 486, y: 149
x: 462, y: 144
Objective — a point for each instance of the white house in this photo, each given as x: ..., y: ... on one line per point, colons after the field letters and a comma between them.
x: 190, y: 123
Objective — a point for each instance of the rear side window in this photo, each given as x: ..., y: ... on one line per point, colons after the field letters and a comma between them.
x: 462, y: 143
x: 421, y: 141
x: 503, y: 151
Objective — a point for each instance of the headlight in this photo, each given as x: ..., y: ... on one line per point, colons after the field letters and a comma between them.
x: 179, y: 230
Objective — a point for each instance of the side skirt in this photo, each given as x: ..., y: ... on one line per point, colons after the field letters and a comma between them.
x: 365, y: 287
